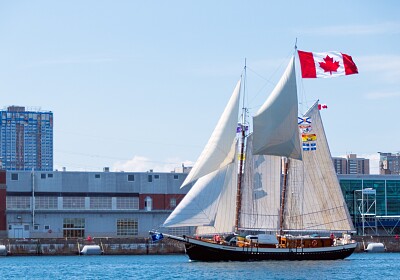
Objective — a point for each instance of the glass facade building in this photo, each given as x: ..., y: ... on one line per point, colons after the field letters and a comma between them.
x: 26, y: 139
x: 373, y: 201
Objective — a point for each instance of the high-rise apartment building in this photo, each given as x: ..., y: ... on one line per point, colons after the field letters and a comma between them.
x: 26, y: 139
x: 389, y: 163
x: 351, y: 165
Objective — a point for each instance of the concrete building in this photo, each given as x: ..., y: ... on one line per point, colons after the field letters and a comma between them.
x: 26, y: 139
x: 389, y: 163
x: 351, y: 165
x: 57, y: 204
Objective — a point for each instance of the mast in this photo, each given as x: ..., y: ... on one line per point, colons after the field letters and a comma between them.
x: 283, y: 198
x: 285, y: 175
x: 241, y: 156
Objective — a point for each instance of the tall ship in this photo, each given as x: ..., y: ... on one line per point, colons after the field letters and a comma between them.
x: 269, y: 194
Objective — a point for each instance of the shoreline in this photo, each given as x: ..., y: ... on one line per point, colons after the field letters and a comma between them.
x: 136, y: 246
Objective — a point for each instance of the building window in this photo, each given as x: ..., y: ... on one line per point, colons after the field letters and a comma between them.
x: 73, y: 202
x: 149, y: 178
x: 43, y: 176
x: 36, y: 227
x: 131, y: 178
x: 127, y: 227
x: 157, y: 176
x: 74, y: 227
x: 172, y: 202
x: 100, y: 203
x: 47, y: 227
x: 14, y: 176
x: 176, y: 177
x: 148, y: 203
x: 18, y: 202
x: 49, y: 175
x: 46, y: 202
x: 131, y: 203
x: 97, y: 176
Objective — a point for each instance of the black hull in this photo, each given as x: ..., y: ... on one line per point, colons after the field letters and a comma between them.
x: 197, y: 252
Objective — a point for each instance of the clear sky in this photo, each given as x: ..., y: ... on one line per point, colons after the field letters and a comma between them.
x: 139, y: 85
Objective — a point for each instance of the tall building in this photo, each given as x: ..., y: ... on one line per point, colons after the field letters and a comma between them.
x: 351, y: 165
x: 340, y: 165
x: 389, y: 163
x: 26, y: 139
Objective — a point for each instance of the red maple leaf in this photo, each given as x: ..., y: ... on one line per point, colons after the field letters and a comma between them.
x: 329, y: 65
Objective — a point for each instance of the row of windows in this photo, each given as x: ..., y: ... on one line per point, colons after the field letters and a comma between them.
x: 130, y: 177
x: 75, y: 227
x: 52, y: 203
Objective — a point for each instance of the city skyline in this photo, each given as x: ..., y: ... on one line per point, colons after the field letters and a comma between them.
x: 138, y: 86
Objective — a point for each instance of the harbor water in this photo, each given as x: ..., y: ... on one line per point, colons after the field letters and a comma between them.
x: 357, y: 266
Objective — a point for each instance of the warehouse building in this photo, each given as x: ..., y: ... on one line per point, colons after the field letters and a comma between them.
x: 78, y: 204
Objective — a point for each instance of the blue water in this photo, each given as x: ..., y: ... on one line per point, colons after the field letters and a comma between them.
x: 358, y: 266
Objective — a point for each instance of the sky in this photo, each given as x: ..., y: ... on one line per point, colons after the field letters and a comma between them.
x: 140, y: 85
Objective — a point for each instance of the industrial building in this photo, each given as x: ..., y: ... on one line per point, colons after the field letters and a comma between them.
x: 57, y: 204
x: 26, y: 139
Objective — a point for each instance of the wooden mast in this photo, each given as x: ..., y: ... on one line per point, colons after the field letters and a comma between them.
x: 241, y: 157
x: 282, y: 210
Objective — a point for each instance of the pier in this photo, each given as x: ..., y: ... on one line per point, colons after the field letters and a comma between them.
x: 73, y: 246
x: 137, y: 245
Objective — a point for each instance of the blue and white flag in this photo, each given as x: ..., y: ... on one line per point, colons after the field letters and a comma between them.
x: 309, y: 146
x: 157, y: 236
x: 306, y: 120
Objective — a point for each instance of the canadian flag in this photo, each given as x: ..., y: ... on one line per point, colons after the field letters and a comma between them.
x: 326, y: 65
x: 322, y: 106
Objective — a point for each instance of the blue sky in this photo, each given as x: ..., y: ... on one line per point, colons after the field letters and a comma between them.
x: 139, y: 85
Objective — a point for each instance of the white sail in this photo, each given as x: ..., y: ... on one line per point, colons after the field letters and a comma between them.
x: 218, y: 153
x: 210, y: 202
x: 260, y: 191
x: 275, y: 124
x: 314, y: 183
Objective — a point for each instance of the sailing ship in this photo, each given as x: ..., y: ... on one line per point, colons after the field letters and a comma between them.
x: 265, y: 195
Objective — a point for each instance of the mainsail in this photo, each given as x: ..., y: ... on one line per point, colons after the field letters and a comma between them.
x: 314, y: 183
x: 260, y: 191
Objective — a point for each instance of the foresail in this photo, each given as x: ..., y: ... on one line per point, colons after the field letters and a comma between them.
x: 260, y: 191
x: 210, y: 203
x: 275, y: 124
x: 218, y: 153
x: 314, y: 181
